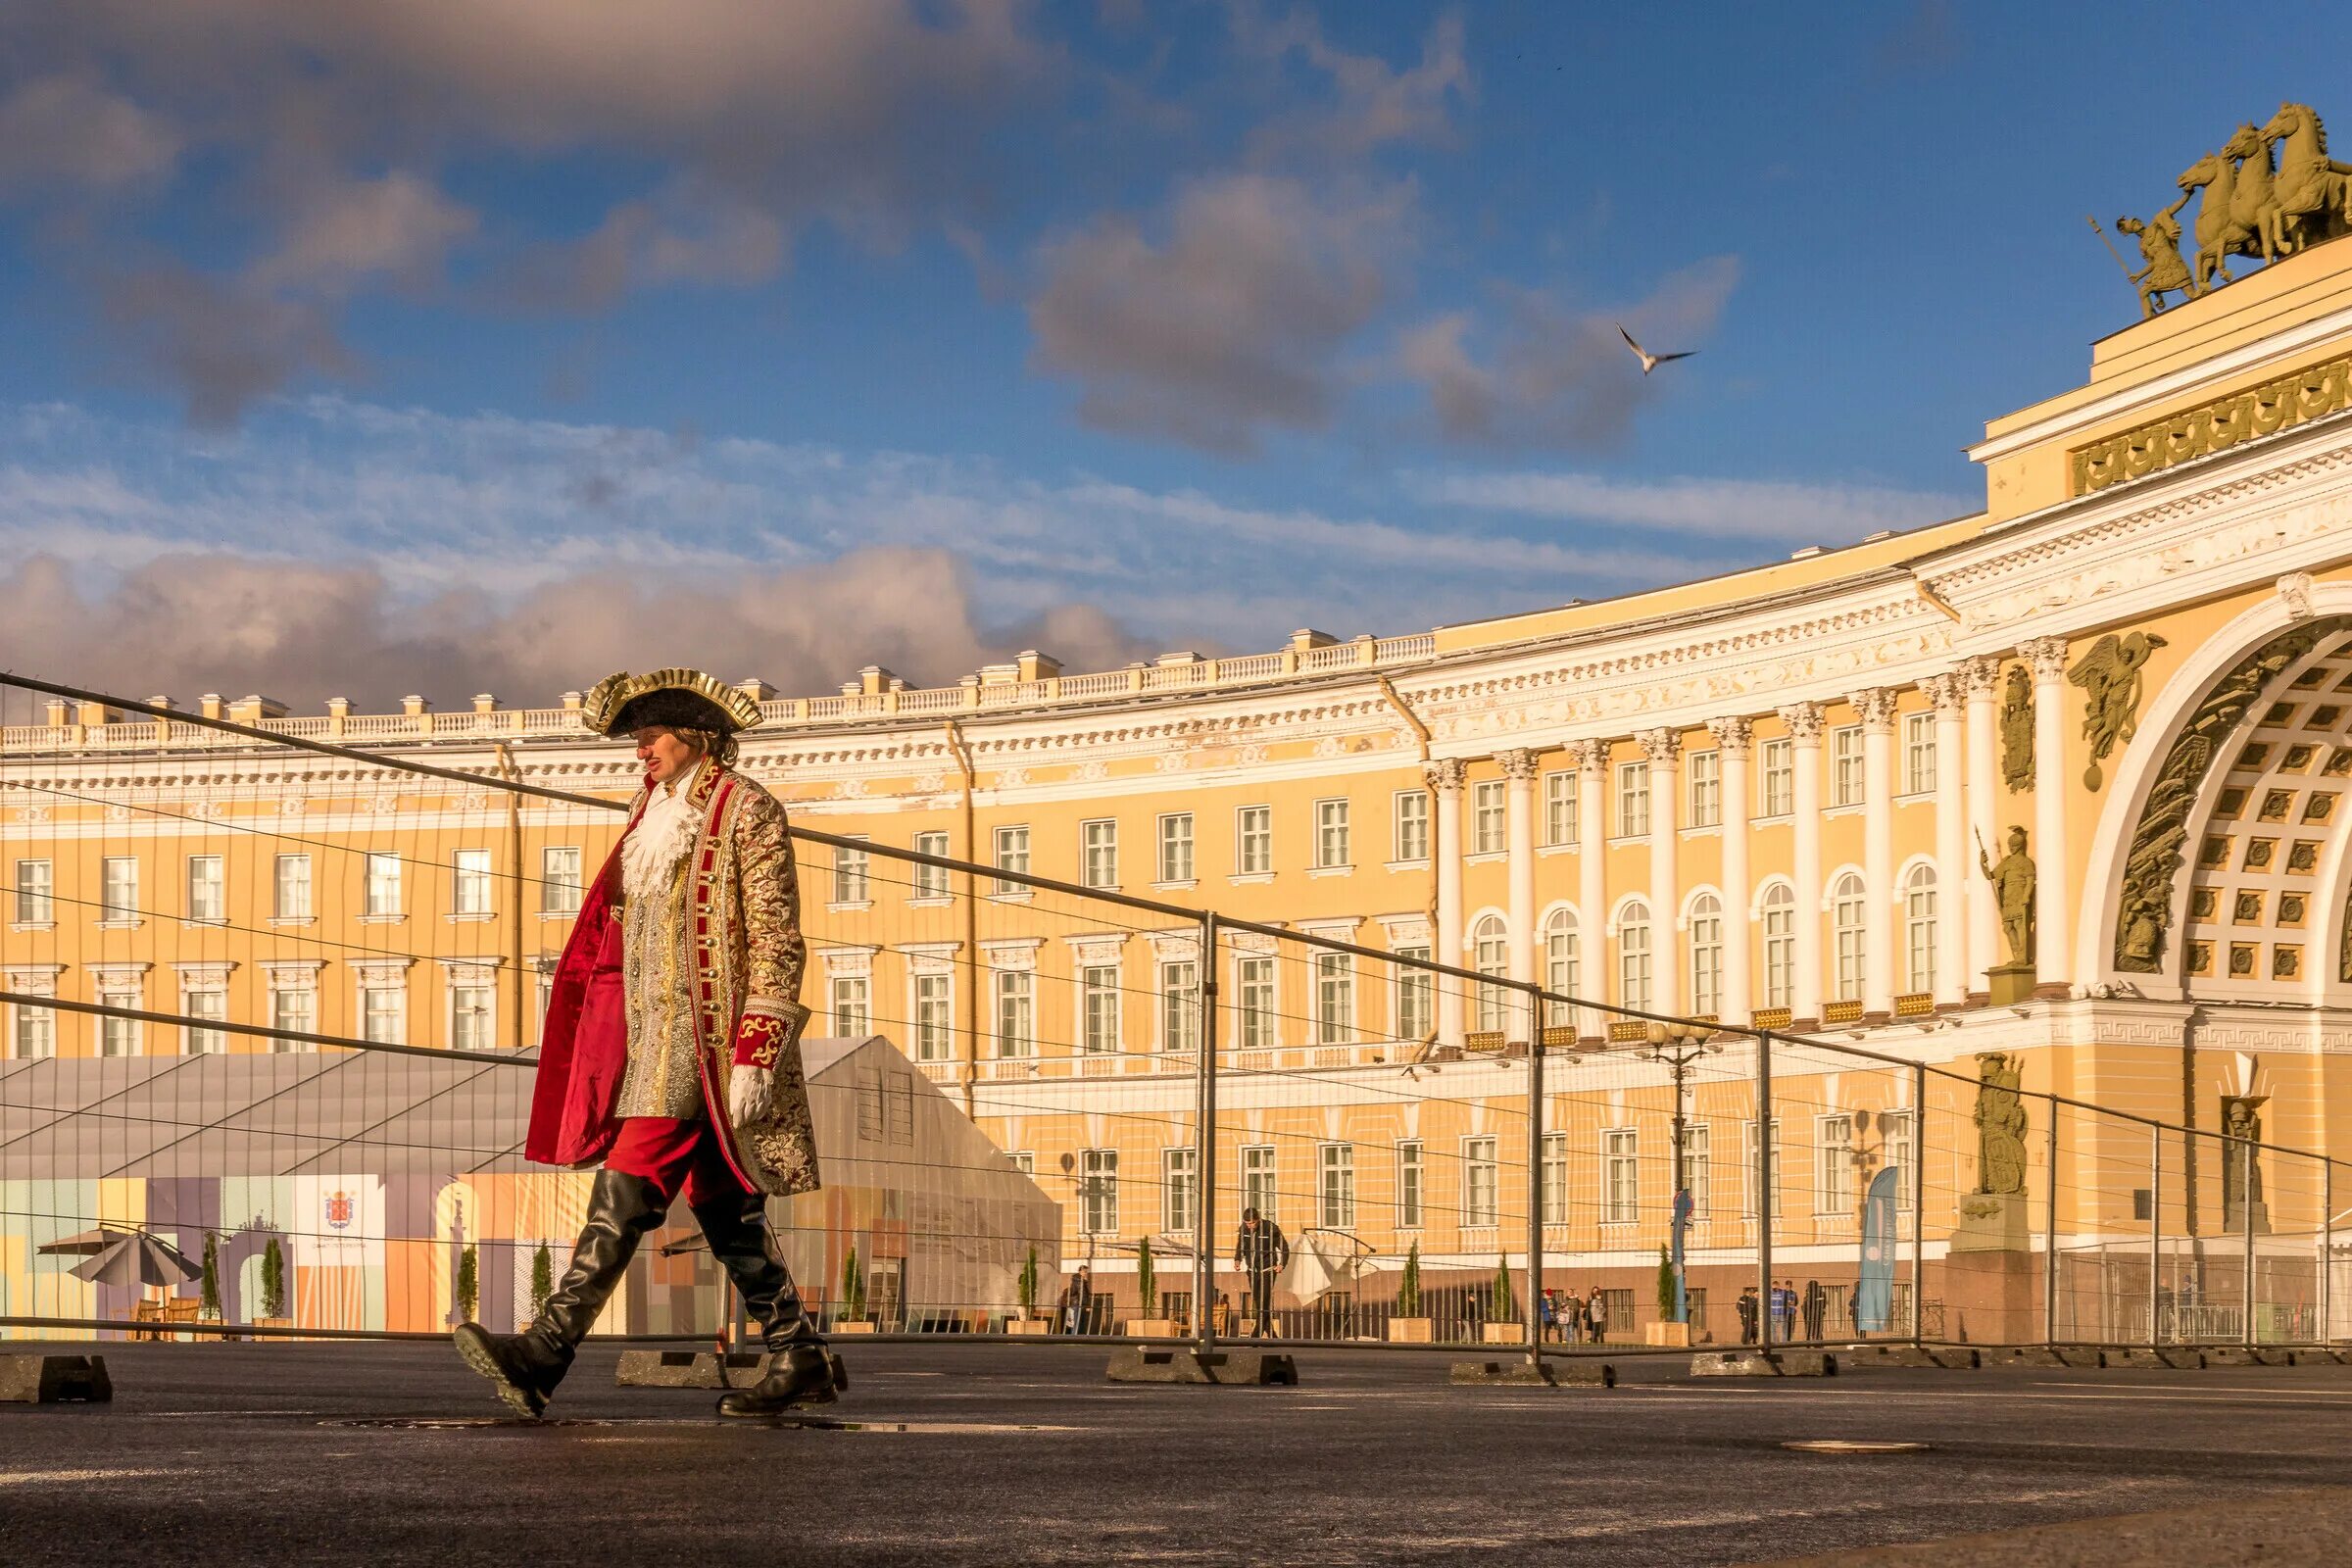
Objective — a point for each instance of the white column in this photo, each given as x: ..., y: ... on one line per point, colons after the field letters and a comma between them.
x: 2052, y: 961
x: 1877, y: 710
x: 1952, y: 868
x: 1732, y: 741
x: 1983, y: 677
x: 1804, y: 873
x: 1592, y: 877
x: 1664, y: 750
x: 1519, y: 818
x: 1444, y: 779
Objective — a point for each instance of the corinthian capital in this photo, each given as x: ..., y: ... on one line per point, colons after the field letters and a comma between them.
x: 1983, y: 675
x: 1518, y: 765
x: 1444, y: 775
x: 2047, y: 655
x: 1950, y: 694
x: 1591, y: 754
x: 1874, y: 706
x: 1663, y: 747
x: 1733, y: 736
x: 1804, y: 723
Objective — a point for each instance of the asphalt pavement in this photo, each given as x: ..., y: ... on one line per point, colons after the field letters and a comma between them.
x: 990, y: 1453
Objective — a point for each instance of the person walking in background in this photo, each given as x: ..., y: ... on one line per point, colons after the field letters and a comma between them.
x: 1078, y: 1300
x: 1596, y: 1316
x: 1547, y: 1317
x: 1260, y: 1250
x: 1817, y: 1306
x: 1784, y: 1311
x: 1746, y: 1306
x: 1571, y: 1317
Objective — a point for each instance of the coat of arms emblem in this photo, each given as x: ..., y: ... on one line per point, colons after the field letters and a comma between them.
x: 340, y: 1207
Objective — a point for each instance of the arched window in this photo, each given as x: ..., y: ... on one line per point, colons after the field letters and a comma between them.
x: 1849, y: 916
x: 1919, y: 929
x: 1490, y: 955
x: 1632, y: 955
x: 1779, y: 946
x: 1706, y: 954
x: 1563, y: 966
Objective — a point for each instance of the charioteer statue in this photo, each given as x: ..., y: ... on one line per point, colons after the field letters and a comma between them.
x: 671, y: 1055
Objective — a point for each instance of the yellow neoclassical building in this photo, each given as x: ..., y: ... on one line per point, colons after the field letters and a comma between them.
x: 1789, y: 797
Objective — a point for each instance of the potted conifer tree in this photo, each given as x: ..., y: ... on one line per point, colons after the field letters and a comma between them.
x: 274, y: 1288
x: 470, y: 1283
x: 1666, y: 1330
x: 1501, y: 1309
x: 852, y: 1318
x: 1147, y: 1297
x: 1028, y: 1322
x: 543, y: 1278
x: 1406, y: 1325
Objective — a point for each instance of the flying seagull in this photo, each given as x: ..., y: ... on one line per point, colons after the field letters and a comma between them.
x: 1649, y: 360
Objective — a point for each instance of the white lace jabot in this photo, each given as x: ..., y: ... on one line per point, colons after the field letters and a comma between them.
x: 661, y: 838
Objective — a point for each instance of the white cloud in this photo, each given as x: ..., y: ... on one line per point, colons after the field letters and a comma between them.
x: 1764, y: 510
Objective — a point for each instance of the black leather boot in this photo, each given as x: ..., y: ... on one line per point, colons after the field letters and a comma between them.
x: 526, y: 1367
x: 799, y: 1369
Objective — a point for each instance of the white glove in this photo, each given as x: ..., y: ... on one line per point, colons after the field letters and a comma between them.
x: 750, y: 1092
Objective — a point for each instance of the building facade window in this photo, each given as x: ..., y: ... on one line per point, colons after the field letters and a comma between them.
x: 209, y: 1005
x: 1833, y: 1168
x: 1098, y: 1191
x: 1017, y: 1014
x: 295, y: 1010
x: 384, y: 1015
x: 1632, y: 800
x: 1779, y: 946
x: 119, y: 888
x: 1253, y: 841
x: 1012, y: 855
x: 1849, y: 918
x: 473, y: 1017
x: 1555, y: 1179
x: 1559, y: 808
x: 1918, y: 754
x: 1620, y: 1176
x: 1632, y: 955
x: 1180, y: 1006
x: 470, y: 887
x: 1705, y: 769
x: 1409, y: 1176
x: 1747, y: 1167
x: 562, y: 890
x: 1099, y: 1009
x: 1894, y: 1127
x: 207, y: 890
x: 1253, y: 987
x: 1417, y: 993
x: 1489, y: 823
x: 1490, y: 956
x: 1099, y: 853
x: 119, y: 1037
x: 1335, y: 999
x: 381, y: 899
x: 1480, y: 1182
x: 1695, y: 1167
x: 1411, y: 838
x: 1845, y: 766
x: 33, y: 1035
x: 934, y: 1017
x: 852, y: 874
x: 928, y: 881
x: 1919, y: 929
x: 1331, y: 834
x: 1334, y: 1185
x: 1706, y: 954
x: 852, y: 1007
x: 36, y: 903
x: 290, y: 887
x: 1258, y: 1188
x: 1776, y: 778
x: 1563, y: 965
x: 1179, y: 1190
x: 1176, y: 847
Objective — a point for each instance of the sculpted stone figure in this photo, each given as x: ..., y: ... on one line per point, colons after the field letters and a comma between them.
x: 2000, y: 1125
x: 2013, y: 883
x: 2240, y: 1126
x: 2017, y: 730
x: 2164, y: 272
x: 2110, y: 678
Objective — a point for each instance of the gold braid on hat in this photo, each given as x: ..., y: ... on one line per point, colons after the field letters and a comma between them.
x: 609, y: 699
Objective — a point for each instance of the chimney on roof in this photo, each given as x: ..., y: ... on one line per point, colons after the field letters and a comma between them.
x: 1035, y: 666
x: 873, y: 681
x: 1306, y: 637
x: 484, y: 703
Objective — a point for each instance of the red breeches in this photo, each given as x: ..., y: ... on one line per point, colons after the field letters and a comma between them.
x: 677, y: 1156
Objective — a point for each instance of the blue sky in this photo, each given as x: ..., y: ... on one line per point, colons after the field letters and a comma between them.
x: 421, y: 346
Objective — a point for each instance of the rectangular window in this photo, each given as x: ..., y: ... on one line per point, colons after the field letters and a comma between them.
x: 1845, y: 766
x: 1490, y: 821
x: 1335, y: 999
x: 1098, y: 1191
x: 1180, y: 1006
x: 1559, y: 808
x: 1412, y: 825
x: 1012, y: 855
x: 1776, y: 779
x: 1258, y: 1190
x: 36, y: 1031
x: 1253, y: 980
x: 1417, y: 993
x: 1620, y: 1177
x: 208, y: 889
x: 852, y: 874
x: 560, y: 890
x: 119, y: 888
x: 1779, y: 952
x: 1099, y: 853
x: 473, y: 1017
x: 384, y: 1015
x: 291, y: 897
x: 928, y: 881
x: 1833, y: 1170
x: 1254, y: 840
x: 934, y: 1017
x: 1017, y: 1012
x: 1479, y: 1181
x: 470, y: 893
x: 1334, y: 1185
x: 1918, y: 754
x: 1098, y: 1007
x: 1024, y: 1161
x: 212, y: 1007
x: 1408, y: 1185
x: 1632, y: 800
x: 1695, y: 1167
x: 1176, y: 847
x: 1747, y: 1167
x: 1706, y: 788
x: 852, y: 1007
x: 36, y: 905
x: 1555, y: 1178
x: 1896, y: 1126
x: 294, y: 1008
x: 1179, y: 1190
x: 1331, y: 833
x: 383, y: 899
x: 118, y: 1036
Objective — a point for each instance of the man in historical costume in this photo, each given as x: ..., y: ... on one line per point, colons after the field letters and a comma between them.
x: 670, y: 1055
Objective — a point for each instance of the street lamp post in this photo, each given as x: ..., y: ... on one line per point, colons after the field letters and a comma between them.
x: 1678, y: 1047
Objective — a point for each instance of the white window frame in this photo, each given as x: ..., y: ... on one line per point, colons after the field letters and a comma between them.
x: 37, y: 891
x: 1563, y: 965
x: 1834, y: 1164
x: 1412, y: 1193
x: 1490, y: 816
x: 119, y: 1037
x: 1176, y: 848
x: 1490, y: 956
x: 1632, y: 800
x: 928, y: 883
x: 1179, y: 1006
x: 1846, y: 752
x: 1334, y: 1185
x: 384, y: 1014
x: 290, y: 887
x: 850, y: 1006
x: 210, y: 1003
x: 380, y: 877
x: 1099, y: 853
x: 118, y: 890
x: 1335, y: 999
x: 207, y: 890
x: 1850, y: 925
x: 483, y: 1013
x: 1918, y: 752
x: 1895, y: 1140
x: 1015, y: 1014
x: 563, y: 880
x: 1747, y: 1167
x: 33, y: 1030
x: 1705, y: 773
x: 1260, y: 1188
x: 1636, y: 953
x: 1480, y: 1182
x: 1620, y: 1176
x: 1776, y: 778
x: 1179, y: 1190
x: 1919, y: 897
x: 1333, y: 835
x: 931, y: 1005
x: 470, y: 888
x: 1415, y: 1001
x: 1254, y: 840
x: 1011, y: 853
x: 1554, y: 1179
x: 1559, y: 808
x: 852, y: 875
x: 1409, y: 838
x: 1256, y: 975
x: 1705, y: 947
x: 1697, y: 1167
x: 1098, y: 1191
x: 294, y: 1007
x: 1098, y: 1009
x: 1777, y: 910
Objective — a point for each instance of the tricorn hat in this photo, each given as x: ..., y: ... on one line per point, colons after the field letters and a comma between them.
x: 684, y: 698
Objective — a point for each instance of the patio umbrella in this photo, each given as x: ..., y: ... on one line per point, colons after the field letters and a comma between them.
x: 1321, y: 1261
x: 85, y: 1245
x: 137, y: 1259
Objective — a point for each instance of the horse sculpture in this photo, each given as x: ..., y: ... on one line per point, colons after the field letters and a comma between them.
x: 2253, y: 202
x: 2311, y: 191
x: 2220, y: 236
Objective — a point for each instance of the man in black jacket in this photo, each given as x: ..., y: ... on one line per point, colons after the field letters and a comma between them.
x: 1260, y: 1251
